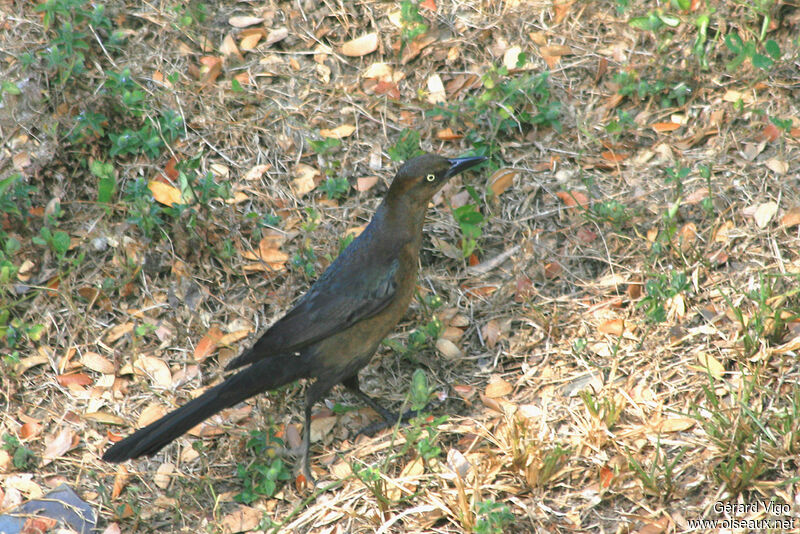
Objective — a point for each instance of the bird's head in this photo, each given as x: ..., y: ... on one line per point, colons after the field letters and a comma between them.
x: 420, y: 178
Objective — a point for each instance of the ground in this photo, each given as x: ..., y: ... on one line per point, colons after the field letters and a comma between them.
x: 607, y: 313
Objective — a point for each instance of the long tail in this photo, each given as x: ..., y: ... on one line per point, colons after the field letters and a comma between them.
x: 262, y: 376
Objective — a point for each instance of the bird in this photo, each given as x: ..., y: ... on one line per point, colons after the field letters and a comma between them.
x: 334, y: 329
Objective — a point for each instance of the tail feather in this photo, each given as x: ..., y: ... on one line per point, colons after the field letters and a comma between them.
x: 262, y: 376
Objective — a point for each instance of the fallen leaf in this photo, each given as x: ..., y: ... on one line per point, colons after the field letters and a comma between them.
x: 676, y: 424
x: 778, y: 166
x: 151, y: 413
x: 436, y: 93
x: 662, y: 127
x: 764, y: 213
x: 120, y: 481
x: 304, y: 179
x: 345, y: 130
x: 614, y: 327
x: 365, y: 183
x: 497, y: 387
x: 791, y: 217
x: 155, y: 368
x: 244, y: 21
x: 573, y: 198
x: 58, y: 445
x: 511, y: 56
x: 501, y: 180
x: 709, y: 364
x: 255, y: 173
x: 448, y: 349
x: 74, y: 379
x: 163, y: 475
x: 381, y: 71
x: 448, y: 135
x: 249, y: 42
x: 97, y: 363
x: 491, y: 333
x: 361, y: 46
x: 164, y: 193
x: 208, y: 344
x: 321, y: 426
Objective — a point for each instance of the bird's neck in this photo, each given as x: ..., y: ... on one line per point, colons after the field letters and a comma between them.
x: 403, y: 217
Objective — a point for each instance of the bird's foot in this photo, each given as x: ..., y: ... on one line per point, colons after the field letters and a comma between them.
x: 390, y: 419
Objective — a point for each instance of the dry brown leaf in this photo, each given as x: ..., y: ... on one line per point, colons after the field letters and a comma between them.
x: 345, y: 130
x: 501, y: 180
x: 255, y: 173
x: 31, y: 429
x: 380, y: 71
x: 56, y: 446
x: 365, y: 183
x: 676, y: 424
x: 448, y: 349
x: 97, y: 363
x: 448, y: 135
x: 573, y: 198
x: 164, y: 193
x: 163, y: 475
x: 791, y: 217
x: 278, y: 34
x: 243, y: 21
x: 491, y: 333
x: 249, y: 42
x: 154, y: 368
x: 74, y: 379
x: 229, y: 48
x: 304, y: 179
x: 151, y: 413
x: 321, y: 426
x: 208, y: 344
x: 103, y: 417
x: 120, y: 481
x: 497, y: 387
x: 709, y: 364
x: 778, y: 166
x: 412, y: 470
x: 614, y: 327
x: 662, y: 127
x: 361, y: 46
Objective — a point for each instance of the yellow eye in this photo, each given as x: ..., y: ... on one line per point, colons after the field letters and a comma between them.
x: 430, y: 177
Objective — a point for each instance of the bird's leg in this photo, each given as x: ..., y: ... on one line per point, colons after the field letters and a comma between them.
x: 389, y: 418
x: 305, y: 458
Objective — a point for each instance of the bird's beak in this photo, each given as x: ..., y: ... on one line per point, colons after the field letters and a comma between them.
x: 458, y: 165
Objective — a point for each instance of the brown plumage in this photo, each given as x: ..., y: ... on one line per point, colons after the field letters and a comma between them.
x: 335, y: 328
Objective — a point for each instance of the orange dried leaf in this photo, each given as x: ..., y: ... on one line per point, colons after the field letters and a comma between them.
x: 448, y: 135
x: 662, y: 127
x: 613, y: 157
x: 573, y: 198
x: 120, y: 481
x: 365, y: 183
x: 345, y: 130
x: 74, y: 379
x: 614, y: 327
x: 164, y: 193
x: 498, y: 387
x: 249, y: 42
x: 791, y: 218
x: 501, y: 180
x: 428, y: 4
x: 208, y: 344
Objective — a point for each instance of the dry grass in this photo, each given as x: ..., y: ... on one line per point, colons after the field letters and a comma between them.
x: 574, y: 403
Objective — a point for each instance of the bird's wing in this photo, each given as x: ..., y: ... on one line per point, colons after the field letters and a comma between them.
x: 331, y: 305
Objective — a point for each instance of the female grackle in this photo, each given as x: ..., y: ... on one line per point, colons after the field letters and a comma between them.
x: 336, y: 327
